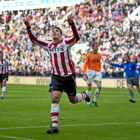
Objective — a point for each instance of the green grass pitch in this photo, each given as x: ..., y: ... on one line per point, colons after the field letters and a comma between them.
x: 25, y: 115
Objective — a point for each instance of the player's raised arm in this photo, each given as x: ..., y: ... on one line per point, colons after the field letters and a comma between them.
x: 72, y: 40
x: 33, y: 37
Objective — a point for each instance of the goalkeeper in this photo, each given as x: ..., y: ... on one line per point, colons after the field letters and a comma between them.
x: 92, y: 72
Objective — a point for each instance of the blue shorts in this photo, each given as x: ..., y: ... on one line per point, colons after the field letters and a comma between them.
x: 134, y: 80
x: 63, y: 84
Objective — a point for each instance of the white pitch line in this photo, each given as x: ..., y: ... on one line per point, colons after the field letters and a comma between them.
x: 26, y: 91
x: 28, y: 99
x: 17, y: 138
x: 73, y: 125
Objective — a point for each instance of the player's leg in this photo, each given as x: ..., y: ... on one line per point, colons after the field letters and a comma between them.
x: 98, y: 78
x: 78, y: 97
x: 130, y: 82
x: 138, y: 88
x: 1, y: 83
x: 129, y: 86
x: 97, y: 92
x: 136, y: 83
x: 54, y: 112
x: 4, y: 86
x: 88, y: 92
x: 56, y: 89
x: 90, y: 80
x: 70, y: 89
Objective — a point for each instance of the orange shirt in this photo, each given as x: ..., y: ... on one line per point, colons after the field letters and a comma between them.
x: 92, y: 62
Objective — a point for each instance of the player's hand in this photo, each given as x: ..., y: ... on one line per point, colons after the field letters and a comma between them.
x: 26, y: 22
x: 70, y: 20
x: 85, y: 77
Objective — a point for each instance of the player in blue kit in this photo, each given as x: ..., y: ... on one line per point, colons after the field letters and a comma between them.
x: 132, y: 78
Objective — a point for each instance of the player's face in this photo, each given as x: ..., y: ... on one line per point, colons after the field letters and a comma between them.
x: 126, y: 58
x: 56, y: 34
x: 95, y: 48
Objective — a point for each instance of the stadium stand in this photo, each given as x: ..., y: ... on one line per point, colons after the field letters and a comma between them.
x: 104, y: 21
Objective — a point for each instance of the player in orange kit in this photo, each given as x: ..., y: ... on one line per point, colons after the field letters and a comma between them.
x: 92, y: 72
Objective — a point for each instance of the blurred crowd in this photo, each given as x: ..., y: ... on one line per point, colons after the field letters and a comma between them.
x: 105, y: 21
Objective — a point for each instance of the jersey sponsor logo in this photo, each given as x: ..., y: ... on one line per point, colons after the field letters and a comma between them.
x: 95, y: 58
x: 57, y: 49
x: 3, y: 65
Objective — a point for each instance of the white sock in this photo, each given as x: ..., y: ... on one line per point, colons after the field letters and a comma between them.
x: 54, y: 114
x: 88, y: 92
x: 3, y: 90
x: 88, y: 103
x: 96, y: 94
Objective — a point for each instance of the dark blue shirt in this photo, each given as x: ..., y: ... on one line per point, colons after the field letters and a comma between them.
x: 129, y: 68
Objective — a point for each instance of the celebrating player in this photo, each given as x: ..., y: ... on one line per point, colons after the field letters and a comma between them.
x: 63, y: 70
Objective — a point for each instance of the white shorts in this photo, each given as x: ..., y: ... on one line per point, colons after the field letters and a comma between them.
x: 93, y: 76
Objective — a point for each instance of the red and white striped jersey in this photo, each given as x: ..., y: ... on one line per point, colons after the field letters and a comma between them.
x: 60, y: 55
x: 4, y: 66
